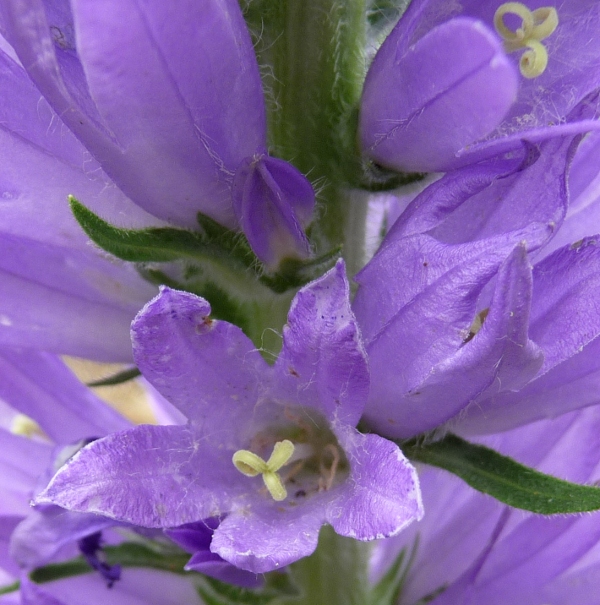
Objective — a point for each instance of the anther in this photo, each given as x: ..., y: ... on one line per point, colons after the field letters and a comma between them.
x: 328, y: 473
x: 535, y: 26
x: 251, y: 465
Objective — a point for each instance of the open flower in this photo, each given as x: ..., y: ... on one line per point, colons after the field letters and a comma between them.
x: 273, y: 450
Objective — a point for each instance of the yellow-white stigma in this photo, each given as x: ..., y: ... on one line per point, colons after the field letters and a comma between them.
x: 25, y: 426
x: 535, y: 26
x: 251, y: 465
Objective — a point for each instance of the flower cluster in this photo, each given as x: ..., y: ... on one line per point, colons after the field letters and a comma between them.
x: 229, y: 162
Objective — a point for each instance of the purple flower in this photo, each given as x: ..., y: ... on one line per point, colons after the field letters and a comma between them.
x: 442, y: 92
x: 39, y: 386
x: 457, y: 324
x: 46, y: 262
x: 273, y: 449
x: 166, y: 98
x: 196, y: 538
x: 273, y: 202
x: 472, y: 549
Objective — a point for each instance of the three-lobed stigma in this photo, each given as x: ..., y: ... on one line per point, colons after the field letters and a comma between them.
x: 251, y: 465
x: 535, y: 26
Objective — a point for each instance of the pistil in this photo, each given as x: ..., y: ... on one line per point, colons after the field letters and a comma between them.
x: 535, y: 26
x: 251, y: 465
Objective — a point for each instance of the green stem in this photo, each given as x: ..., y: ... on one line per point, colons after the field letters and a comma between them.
x: 312, y: 54
x: 335, y: 574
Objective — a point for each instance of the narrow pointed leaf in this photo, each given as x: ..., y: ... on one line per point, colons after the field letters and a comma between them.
x: 114, y: 379
x: 387, y: 590
x: 157, y: 244
x: 503, y: 478
x: 214, y: 592
x: 216, y: 243
x: 10, y: 588
x: 127, y: 554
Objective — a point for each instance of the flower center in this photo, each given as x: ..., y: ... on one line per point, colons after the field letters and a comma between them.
x: 535, y: 26
x: 250, y: 464
x: 303, y: 442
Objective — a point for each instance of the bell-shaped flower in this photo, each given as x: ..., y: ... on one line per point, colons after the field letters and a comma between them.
x: 423, y: 103
x: 456, y: 323
x: 46, y: 415
x: 272, y: 449
x: 453, y: 85
x: 166, y: 97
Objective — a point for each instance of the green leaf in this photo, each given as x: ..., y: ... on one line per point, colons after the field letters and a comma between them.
x: 389, y: 588
x: 10, y: 588
x: 114, y: 379
x: 215, y: 245
x: 503, y: 478
x: 223, y: 306
x: 232, y: 242
x: 157, y: 244
x: 59, y: 571
x: 127, y: 554
x: 293, y: 273
x: 214, y: 592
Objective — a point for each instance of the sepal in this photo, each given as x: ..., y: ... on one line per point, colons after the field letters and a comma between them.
x: 215, y: 245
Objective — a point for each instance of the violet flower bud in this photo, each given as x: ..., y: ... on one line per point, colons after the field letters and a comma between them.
x: 273, y: 202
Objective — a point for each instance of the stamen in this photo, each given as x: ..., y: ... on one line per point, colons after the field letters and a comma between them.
x: 477, y: 324
x: 328, y: 474
x: 535, y: 27
x: 251, y: 465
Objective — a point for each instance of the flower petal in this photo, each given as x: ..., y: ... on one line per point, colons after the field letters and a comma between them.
x: 421, y: 105
x: 153, y: 476
x: 322, y: 363
x: 40, y: 281
x: 564, y: 315
x: 263, y: 538
x: 43, y: 533
x: 426, y: 336
x: 381, y: 496
x: 565, y: 325
x: 22, y: 461
x: 546, y: 106
x: 40, y: 386
x: 206, y: 368
x: 272, y: 202
x: 136, y: 587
